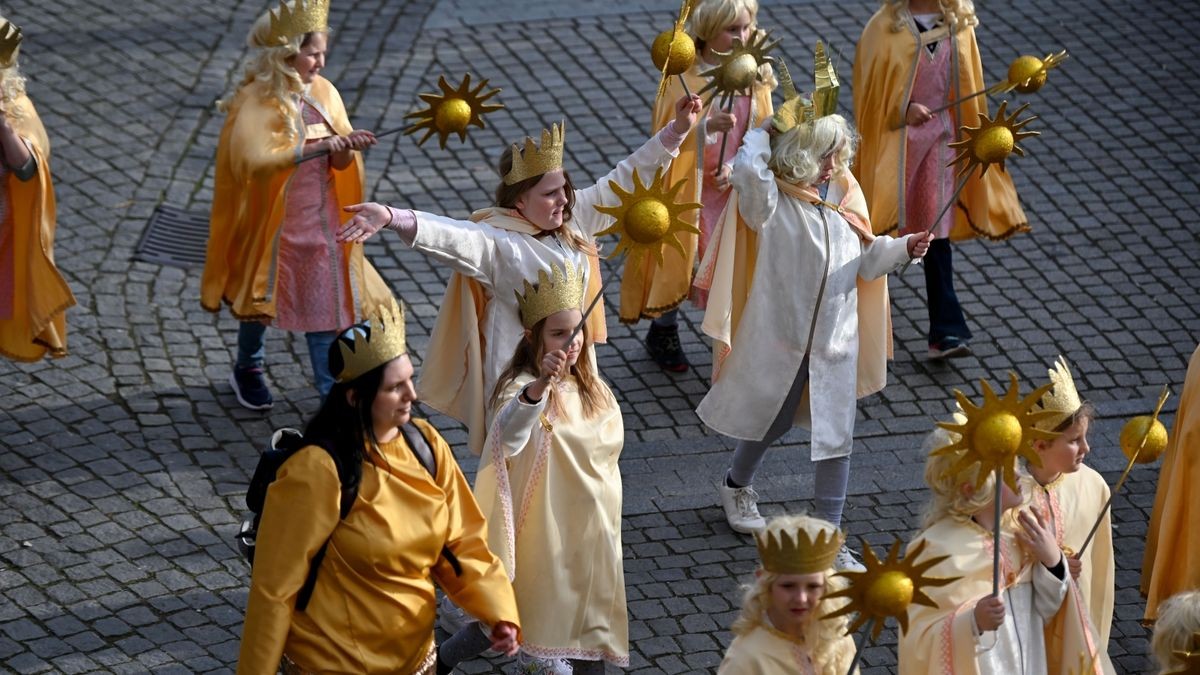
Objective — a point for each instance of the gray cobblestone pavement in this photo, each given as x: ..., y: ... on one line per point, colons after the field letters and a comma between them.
x: 122, y: 466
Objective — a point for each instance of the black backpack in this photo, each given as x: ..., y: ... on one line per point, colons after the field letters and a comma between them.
x: 285, y: 443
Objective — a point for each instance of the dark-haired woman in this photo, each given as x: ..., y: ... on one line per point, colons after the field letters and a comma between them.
x: 413, y: 522
x: 539, y: 220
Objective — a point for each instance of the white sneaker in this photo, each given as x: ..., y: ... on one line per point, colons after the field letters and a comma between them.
x: 450, y: 617
x: 741, y: 508
x: 532, y: 665
x: 847, y: 561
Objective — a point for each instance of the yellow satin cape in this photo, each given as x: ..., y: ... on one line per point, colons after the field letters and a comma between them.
x: 885, y: 66
x: 41, y: 295
x: 255, y: 163
x: 649, y: 289
x: 452, y: 371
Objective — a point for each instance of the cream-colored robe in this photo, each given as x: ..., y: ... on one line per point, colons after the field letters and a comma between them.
x: 766, y: 651
x: 804, y: 299
x: 1073, y: 501
x: 552, y: 499
x: 479, y: 325
x: 943, y: 640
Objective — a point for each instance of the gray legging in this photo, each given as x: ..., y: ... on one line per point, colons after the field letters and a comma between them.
x: 472, y: 640
x: 832, y: 474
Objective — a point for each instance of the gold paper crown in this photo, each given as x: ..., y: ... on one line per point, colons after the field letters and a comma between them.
x: 795, y: 552
x: 535, y: 161
x: 795, y: 110
x: 303, y: 16
x: 10, y: 42
x: 1062, y: 399
x: 559, y: 290
x: 374, y: 342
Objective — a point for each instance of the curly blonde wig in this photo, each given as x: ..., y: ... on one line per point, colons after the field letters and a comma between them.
x: 796, y: 155
x: 947, y: 497
x: 821, y: 636
x: 1178, y: 623
x: 959, y: 14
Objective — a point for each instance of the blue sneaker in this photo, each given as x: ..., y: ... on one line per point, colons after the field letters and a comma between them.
x: 251, y: 389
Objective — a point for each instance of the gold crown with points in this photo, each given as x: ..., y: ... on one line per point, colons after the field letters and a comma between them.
x: 795, y: 110
x: 10, y: 42
x: 1063, y: 397
x: 300, y: 18
x: 372, y: 343
x: 535, y: 160
x: 795, y: 552
x: 559, y: 290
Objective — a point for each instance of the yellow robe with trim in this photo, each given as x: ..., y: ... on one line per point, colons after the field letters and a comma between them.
x: 373, y: 605
x: 940, y: 640
x: 1172, y: 560
x: 552, y: 500
x: 766, y: 651
x: 648, y: 289
x: 41, y: 295
x: 1074, y: 500
x: 254, y: 165
x: 885, y: 65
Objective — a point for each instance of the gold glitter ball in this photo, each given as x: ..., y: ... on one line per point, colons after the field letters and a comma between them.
x: 452, y: 116
x: 994, y: 145
x: 740, y: 73
x: 1028, y: 73
x: 1156, y: 441
x: 681, y: 50
x: 648, y: 221
x: 891, y: 594
x: 998, y: 436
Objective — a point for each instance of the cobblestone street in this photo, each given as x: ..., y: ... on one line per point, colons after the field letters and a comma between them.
x: 124, y: 465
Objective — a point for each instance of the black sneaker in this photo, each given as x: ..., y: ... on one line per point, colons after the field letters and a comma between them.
x: 663, y: 345
x: 948, y: 348
x: 250, y: 387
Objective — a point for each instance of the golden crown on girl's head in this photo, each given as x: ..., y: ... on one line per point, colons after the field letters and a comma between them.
x: 10, y: 42
x: 534, y: 160
x: 795, y: 110
x: 795, y: 552
x: 1063, y: 397
x: 559, y: 290
x: 300, y: 18
x: 372, y: 343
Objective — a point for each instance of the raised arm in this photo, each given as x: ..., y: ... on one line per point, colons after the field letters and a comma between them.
x: 758, y: 196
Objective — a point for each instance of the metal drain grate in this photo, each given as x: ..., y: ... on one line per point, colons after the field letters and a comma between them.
x: 174, y: 237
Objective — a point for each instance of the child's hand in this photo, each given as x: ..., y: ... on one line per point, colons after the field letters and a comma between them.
x: 504, y: 638
x: 721, y: 177
x: 1038, y: 538
x: 918, y: 244
x: 368, y: 218
x: 720, y: 121
x: 553, y: 364
x: 1075, y: 565
x: 917, y: 115
x: 989, y: 612
x: 687, y: 113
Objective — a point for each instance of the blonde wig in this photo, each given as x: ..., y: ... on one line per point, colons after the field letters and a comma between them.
x: 797, y: 154
x: 947, y: 499
x: 822, y: 637
x: 959, y: 14
x: 1178, y: 624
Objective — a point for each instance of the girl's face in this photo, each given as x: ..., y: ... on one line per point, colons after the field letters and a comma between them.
x: 1065, y: 454
x: 543, y: 203
x: 557, y: 328
x: 723, y: 40
x: 395, y: 396
x: 827, y: 163
x: 311, y: 59
x: 794, y: 599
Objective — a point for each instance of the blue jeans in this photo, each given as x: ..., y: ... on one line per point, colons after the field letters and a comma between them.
x: 252, y: 349
x: 945, y: 314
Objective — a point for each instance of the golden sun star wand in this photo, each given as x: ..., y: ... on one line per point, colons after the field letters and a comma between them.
x: 1133, y: 458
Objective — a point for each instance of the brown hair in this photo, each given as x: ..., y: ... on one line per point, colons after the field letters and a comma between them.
x: 507, y: 196
x: 1085, y: 411
x: 528, y: 357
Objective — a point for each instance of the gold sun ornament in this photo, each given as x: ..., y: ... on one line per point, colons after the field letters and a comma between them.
x: 673, y: 51
x: 738, y: 68
x: 452, y: 111
x: 647, y: 216
x: 887, y: 587
x: 1027, y: 73
x: 1145, y: 438
x: 993, y: 140
x: 996, y: 432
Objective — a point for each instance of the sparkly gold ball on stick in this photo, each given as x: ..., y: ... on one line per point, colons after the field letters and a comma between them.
x: 1155, y: 435
x: 452, y: 111
x: 740, y: 73
x: 648, y: 216
x: 994, y: 145
x: 676, y: 54
x: 647, y: 221
x: 452, y: 116
x: 1027, y: 73
x: 890, y: 594
x: 998, y: 436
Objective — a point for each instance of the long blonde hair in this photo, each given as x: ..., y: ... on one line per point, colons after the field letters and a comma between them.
x: 821, y: 636
x: 527, y: 359
x: 270, y: 69
x: 947, y: 498
x: 797, y: 154
x: 1176, y: 629
x: 959, y: 14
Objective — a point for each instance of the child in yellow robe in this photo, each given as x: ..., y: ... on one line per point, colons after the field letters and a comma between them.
x: 650, y: 290
x: 780, y: 629
x: 1073, y: 495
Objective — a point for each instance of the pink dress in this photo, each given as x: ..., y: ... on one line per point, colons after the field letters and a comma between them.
x: 313, y: 288
x: 713, y: 198
x: 928, y: 182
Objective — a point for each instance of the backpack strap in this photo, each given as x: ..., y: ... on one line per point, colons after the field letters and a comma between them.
x: 420, y: 447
